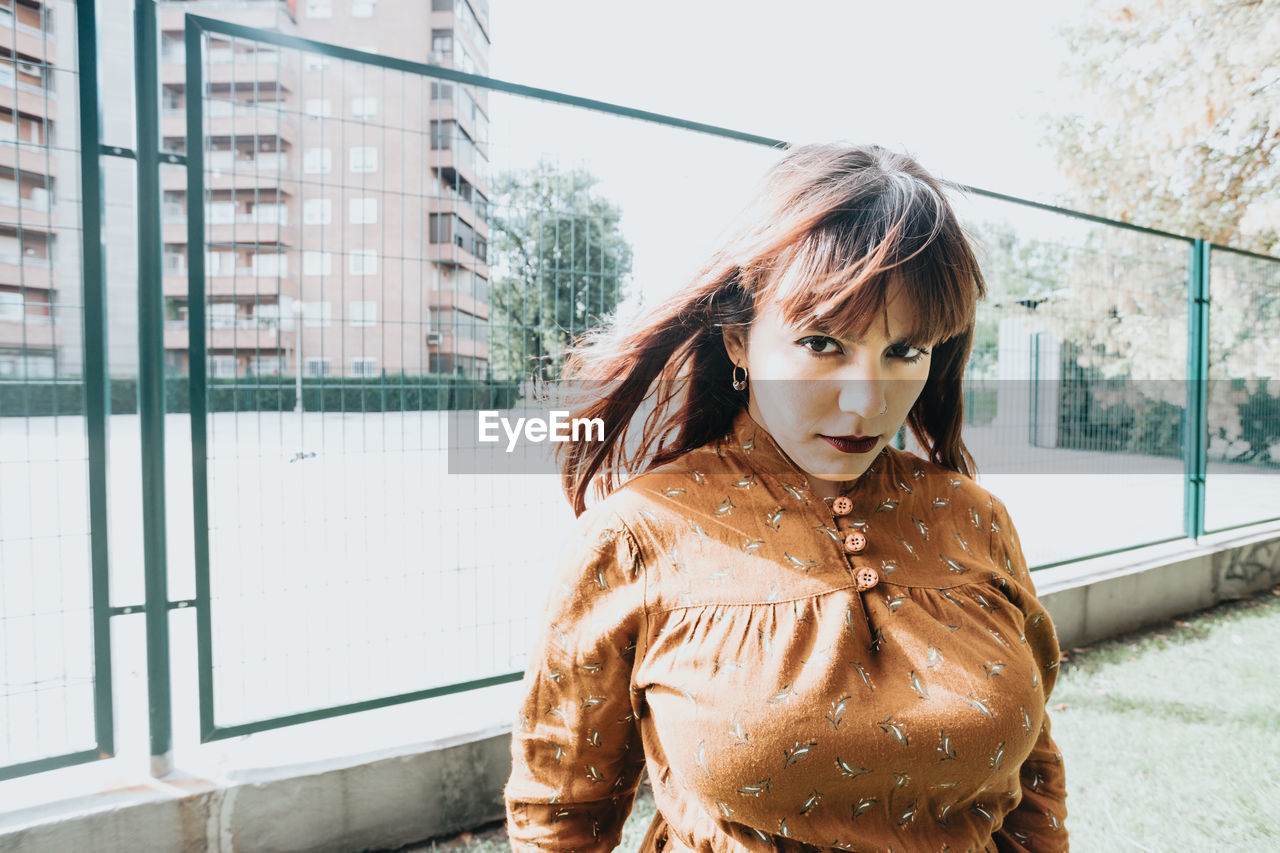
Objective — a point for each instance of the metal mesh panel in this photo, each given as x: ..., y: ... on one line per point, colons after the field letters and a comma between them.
x: 46, y: 574
x: 1243, y: 477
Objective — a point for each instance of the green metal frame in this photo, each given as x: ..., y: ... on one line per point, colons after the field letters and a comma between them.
x: 151, y: 382
x: 97, y: 395
x: 1196, y: 422
x: 1203, y: 273
x: 198, y: 27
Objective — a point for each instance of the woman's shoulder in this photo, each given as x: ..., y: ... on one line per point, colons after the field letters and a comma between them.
x: 935, y: 483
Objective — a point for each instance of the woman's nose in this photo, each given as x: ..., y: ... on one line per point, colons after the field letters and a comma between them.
x: 863, y: 392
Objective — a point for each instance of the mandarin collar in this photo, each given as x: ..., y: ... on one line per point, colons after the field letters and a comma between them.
x: 756, y: 447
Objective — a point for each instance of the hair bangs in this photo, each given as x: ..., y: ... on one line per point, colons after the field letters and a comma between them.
x: 841, y: 277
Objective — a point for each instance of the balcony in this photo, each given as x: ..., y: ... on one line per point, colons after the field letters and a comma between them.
x: 450, y: 202
x: 27, y: 214
x: 473, y: 169
x: 225, y: 174
x: 449, y: 299
x: 36, y: 331
x: 26, y: 40
x: 33, y: 100
x: 246, y: 335
x: 454, y: 255
x: 34, y: 158
x: 244, y: 120
x: 245, y: 231
x: 26, y: 271
x: 266, y: 69
x: 245, y: 282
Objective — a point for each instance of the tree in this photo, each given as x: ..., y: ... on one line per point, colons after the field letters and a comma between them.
x: 1179, y: 124
x: 560, y: 265
x: 1177, y: 128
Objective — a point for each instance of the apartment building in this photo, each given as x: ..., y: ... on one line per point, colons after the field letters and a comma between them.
x: 29, y: 337
x: 346, y: 207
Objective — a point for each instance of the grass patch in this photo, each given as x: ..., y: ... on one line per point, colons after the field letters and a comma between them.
x: 1170, y: 736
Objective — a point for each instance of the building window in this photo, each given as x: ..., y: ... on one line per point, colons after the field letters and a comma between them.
x: 317, y: 263
x: 364, y: 211
x: 221, y: 212
x: 222, y: 366
x: 316, y: 315
x: 364, y: 158
x: 364, y: 366
x: 317, y: 161
x: 264, y: 365
x: 215, y: 263
x: 318, y: 108
x: 317, y: 211
x: 441, y: 44
x: 364, y: 107
x: 316, y: 368
x: 441, y: 5
x: 270, y: 264
x: 270, y: 213
x: 363, y: 313
x: 362, y: 8
x: 442, y: 91
x: 319, y: 8
x: 11, y: 306
x: 441, y: 135
x: 363, y: 262
x: 441, y: 228
x: 448, y: 228
x: 221, y: 315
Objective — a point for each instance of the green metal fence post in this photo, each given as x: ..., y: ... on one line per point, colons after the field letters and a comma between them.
x: 1196, y: 421
x: 96, y: 390
x: 193, y: 39
x: 151, y: 384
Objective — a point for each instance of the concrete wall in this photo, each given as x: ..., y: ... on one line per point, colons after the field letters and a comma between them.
x: 389, y: 799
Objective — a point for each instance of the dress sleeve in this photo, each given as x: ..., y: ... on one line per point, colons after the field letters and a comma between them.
x: 575, y: 747
x: 1037, y: 823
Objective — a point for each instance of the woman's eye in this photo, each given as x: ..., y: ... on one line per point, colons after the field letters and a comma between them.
x: 903, y: 349
x: 817, y: 344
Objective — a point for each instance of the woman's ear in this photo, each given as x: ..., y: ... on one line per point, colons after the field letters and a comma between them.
x: 735, y: 344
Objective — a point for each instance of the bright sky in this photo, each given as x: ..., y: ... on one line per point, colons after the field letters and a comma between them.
x: 962, y: 86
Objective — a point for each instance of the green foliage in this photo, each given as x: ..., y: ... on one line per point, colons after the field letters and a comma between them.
x: 560, y: 267
x: 392, y: 393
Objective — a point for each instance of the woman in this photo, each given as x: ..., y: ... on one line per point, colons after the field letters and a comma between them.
x: 809, y: 639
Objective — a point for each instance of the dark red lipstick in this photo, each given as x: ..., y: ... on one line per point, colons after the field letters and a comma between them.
x: 852, y: 443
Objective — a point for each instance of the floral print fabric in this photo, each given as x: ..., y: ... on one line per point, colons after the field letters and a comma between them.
x: 705, y: 624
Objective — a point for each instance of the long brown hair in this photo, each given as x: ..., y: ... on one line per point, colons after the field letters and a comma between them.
x: 831, y: 229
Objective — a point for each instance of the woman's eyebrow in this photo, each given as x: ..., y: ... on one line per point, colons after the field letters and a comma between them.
x: 903, y: 338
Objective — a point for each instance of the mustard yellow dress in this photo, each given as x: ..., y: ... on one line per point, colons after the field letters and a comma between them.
x: 709, y: 623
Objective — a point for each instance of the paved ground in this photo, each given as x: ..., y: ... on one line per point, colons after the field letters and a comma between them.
x: 344, y: 557
x: 1169, y: 737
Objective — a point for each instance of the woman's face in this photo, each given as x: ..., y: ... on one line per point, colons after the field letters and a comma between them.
x: 805, y: 385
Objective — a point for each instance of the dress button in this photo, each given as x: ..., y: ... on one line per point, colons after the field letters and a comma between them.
x: 855, y: 542
x: 866, y: 577
x: 842, y: 505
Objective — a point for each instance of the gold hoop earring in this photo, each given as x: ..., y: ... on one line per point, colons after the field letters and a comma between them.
x: 738, y: 384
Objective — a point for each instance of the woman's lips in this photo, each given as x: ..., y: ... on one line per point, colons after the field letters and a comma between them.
x: 844, y: 445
